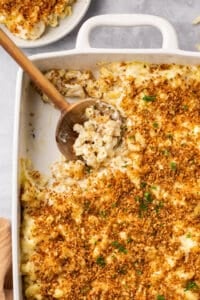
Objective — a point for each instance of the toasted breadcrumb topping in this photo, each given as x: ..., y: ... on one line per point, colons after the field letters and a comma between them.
x: 129, y: 228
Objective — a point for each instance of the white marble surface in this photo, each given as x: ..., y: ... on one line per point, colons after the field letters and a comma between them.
x: 180, y: 13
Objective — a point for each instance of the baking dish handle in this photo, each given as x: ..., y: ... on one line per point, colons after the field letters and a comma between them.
x: 168, y: 33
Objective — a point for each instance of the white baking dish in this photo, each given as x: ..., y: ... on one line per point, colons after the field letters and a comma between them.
x: 42, y: 149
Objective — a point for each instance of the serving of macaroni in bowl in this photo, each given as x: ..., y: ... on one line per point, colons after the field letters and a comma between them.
x: 32, y: 24
x: 28, y: 19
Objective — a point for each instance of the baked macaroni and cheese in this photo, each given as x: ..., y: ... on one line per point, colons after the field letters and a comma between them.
x: 125, y: 226
x: 99, y: 135
x: 28, y: 19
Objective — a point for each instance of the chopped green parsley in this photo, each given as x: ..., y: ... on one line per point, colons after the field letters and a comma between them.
x: 169, y: 136
x: 191, y: 286
x: 155, y: 125
x: 103, y: 213
x: 173, y: 166
x: 148, y: 197
x: 153, y: 187
x: 100, y: 261
x: 185, y: 107
x: 188, y: 235
x: 122, y: 271
x: 149, y: 98
x: 166, y: 152
x: 119, y: 247
x: 160, y: 297
x: 143, y: 184
x: 129, y: 240
x: 144, y: 202
x: 159, y: 206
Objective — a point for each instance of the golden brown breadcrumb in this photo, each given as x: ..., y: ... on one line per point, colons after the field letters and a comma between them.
x: 26, y: 14
x: 129, y: 229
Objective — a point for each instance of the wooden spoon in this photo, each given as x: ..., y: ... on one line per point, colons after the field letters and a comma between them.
x: 70, y: 113
x: 6, y: 260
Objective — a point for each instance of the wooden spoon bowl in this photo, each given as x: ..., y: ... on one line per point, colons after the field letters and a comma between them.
x: 65, y: 135
x: 70, y: 113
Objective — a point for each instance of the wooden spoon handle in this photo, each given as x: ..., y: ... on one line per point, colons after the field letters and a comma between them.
x: 38, y: 78
x: 5, y: 250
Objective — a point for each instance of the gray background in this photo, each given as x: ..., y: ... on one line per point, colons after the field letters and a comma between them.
x: 179, y: 12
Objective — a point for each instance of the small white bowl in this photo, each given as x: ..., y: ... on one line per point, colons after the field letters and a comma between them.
x: 53, y: 34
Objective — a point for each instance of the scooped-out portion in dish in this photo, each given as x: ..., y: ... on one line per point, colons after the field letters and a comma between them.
x: 99, y: 135
x: 128, y: 226
x: 29, y: 19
